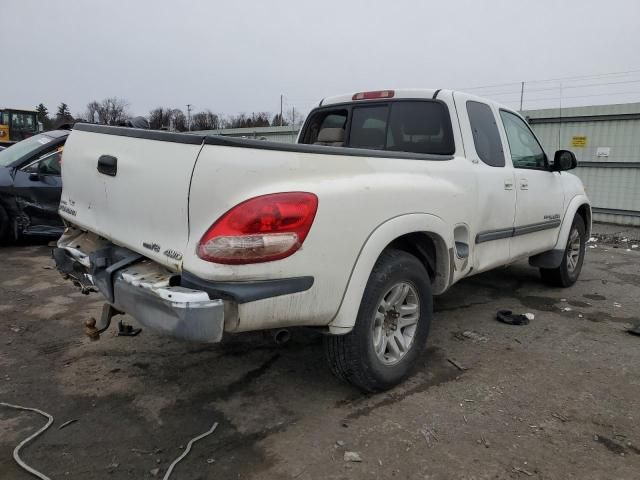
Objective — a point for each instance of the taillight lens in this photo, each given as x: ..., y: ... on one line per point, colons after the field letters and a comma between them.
x: 262, y: 229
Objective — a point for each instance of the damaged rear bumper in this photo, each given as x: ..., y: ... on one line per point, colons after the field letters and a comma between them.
x: 144, y: 290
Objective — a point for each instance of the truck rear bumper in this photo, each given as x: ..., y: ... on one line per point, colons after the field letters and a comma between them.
x: 177, y: 311
x: 144, y: 291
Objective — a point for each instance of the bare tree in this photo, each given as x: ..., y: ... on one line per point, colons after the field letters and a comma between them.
x: 294, y: 117
x: 206, y: 120
x: 92, y: 110
x: 179, y: 120
x: 160, y: 118
x: 260, y: 119
x: 279, y: 121
x: 112, y: 111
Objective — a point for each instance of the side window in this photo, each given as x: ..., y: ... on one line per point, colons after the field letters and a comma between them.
x: 48, y: 164
x: 52, y: 164
x: 526, y: 152
x: 327, y: 128
x: 486, y: 137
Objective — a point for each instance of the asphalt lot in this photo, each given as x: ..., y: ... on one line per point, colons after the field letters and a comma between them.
x: 556, y: 399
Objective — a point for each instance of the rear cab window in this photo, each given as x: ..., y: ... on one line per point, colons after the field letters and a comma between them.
x: 400, y: 125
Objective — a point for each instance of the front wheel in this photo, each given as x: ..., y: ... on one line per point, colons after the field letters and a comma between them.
x: 391, y: 328
x: 569, y: 270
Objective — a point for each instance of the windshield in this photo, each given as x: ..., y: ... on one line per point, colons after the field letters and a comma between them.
x: 23, y: 121
x: 20, y: 149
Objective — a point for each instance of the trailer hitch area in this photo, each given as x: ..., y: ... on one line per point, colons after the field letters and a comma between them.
x: 93, y: 329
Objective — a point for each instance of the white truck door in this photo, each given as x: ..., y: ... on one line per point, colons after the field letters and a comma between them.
x: 539, y: 192
x: 492, y: 216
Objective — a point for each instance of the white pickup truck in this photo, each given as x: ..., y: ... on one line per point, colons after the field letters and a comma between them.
x: 388, y: 198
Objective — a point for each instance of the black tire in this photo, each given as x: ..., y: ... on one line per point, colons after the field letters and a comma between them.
x: 4, y: 225
x: 564, y: 276
x: 352, y: 357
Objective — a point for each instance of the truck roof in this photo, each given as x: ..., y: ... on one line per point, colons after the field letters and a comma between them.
x: 426, y: 93
x: 397, y: 93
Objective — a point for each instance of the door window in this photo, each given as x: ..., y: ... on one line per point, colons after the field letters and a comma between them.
x: 486, y: 137
x: 526, y: 152
x: 49, y: 164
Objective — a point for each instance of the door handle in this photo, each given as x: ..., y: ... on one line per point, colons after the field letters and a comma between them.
x: 108, y: 165
x: 524, y: 184
x: 508, y: 184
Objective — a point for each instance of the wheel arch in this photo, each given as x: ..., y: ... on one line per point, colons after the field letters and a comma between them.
x: 423, y: 235
x: 578, y: 206
x: 584, y: 211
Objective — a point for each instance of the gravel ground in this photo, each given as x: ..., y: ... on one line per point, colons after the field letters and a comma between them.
x: 556, y: 399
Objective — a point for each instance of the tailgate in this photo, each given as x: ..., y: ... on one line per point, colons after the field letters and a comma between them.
x: 138, y: 196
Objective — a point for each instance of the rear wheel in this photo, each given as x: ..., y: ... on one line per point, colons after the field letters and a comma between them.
x: 391, y: 328
x: 569, y: 270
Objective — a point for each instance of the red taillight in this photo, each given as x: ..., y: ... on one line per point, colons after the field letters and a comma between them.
x: 265, y: 228
x: 373, y: 95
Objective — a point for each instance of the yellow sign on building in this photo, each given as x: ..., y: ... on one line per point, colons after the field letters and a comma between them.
x: 579, y: 141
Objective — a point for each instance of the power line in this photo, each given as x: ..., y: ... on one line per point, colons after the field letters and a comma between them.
x: 582, y: 96
x: 564, y: 87
x: 597, y: 75
x: 518, y: 86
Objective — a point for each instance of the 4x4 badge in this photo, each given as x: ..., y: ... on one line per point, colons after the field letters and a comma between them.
x: 175, y: 255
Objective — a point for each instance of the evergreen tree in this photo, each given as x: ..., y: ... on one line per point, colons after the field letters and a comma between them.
x: 43, y: 116
x: 63, y: 112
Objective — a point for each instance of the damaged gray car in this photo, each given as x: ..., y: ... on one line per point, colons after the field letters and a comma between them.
x: 30, y: 186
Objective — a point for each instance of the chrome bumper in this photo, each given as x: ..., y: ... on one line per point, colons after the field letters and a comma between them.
x: 143, y: 290
x: 177, y: 311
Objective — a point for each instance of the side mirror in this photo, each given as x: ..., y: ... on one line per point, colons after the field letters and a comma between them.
x: 34, y: 176
x: 564, y: 160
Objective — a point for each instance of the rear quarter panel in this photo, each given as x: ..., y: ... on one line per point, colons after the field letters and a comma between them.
x: 356, y: 195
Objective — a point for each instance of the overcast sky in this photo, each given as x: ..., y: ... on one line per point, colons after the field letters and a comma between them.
x: 239, y: 56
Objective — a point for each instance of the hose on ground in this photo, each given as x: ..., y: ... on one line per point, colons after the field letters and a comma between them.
x: 16, y: 451
x: 188, y: 449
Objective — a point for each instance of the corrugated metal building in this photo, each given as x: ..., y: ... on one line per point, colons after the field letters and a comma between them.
x: 606, y: 141
x: 272, y: 134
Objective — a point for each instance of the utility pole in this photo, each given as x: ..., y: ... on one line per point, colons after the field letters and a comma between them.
x: 560, y: 120
x: 280, y: 110
x: 189, y: 116
x: 293, y: 117
x: 521, y: 95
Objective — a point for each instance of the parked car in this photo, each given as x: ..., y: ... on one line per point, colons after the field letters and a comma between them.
x: 390, y: 197
x: 30, y: 186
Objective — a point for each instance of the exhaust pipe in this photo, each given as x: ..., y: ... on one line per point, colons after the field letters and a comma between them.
x: 281, y: 336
